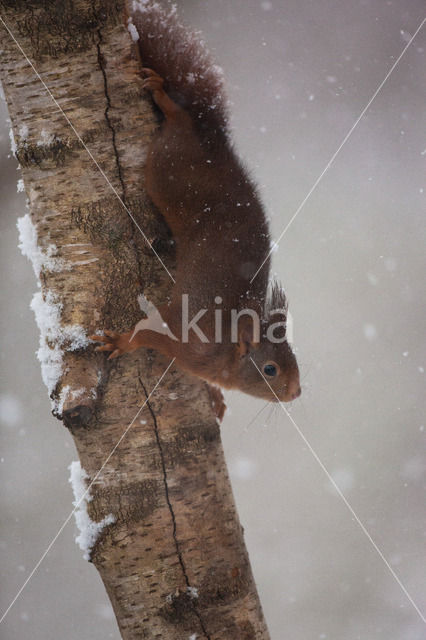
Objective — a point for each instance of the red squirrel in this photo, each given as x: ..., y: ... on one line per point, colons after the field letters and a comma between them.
x: 217, y: 220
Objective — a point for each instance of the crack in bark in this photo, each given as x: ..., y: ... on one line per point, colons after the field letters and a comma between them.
x: 169, y: 504
x: 106, y: 114
x: 114, y: 143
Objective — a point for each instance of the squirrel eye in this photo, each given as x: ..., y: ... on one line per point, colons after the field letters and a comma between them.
x: 270, y: 370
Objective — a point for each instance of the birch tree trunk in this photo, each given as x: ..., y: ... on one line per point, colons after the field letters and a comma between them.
x: 171, y: 554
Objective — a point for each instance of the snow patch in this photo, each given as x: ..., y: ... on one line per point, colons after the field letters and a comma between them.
x: 71, y: 337
x: 51, y: 358
x: 12, y: 141
x: 62, y: 397
x: 192, y: 592
x: 23, y: 131
x: 132, y: 30
x: 29, y: 248
x: 65, y: 392
x: 89, y: 529
x: 46, y: 139
x: 20, y: 186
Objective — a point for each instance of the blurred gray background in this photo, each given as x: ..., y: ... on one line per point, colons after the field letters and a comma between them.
x: 299, y: 74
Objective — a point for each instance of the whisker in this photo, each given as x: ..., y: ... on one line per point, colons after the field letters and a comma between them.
x: 257, y: 415
x: 271, y: 412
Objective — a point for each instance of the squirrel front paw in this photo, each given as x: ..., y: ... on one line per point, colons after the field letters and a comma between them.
x: 217, y: 400
x: 115, y: 342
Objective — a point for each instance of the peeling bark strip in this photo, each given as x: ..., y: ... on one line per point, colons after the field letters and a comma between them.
x: 171, y: 552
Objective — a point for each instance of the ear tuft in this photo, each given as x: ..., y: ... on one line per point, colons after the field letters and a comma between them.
x: 245, y: 341
x: 276, y: 301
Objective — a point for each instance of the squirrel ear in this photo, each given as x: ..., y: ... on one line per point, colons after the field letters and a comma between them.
x: 246, y: 341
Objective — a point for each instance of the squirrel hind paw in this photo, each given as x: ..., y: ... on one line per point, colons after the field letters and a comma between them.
x: 153, y: 84
x: 149, y: 72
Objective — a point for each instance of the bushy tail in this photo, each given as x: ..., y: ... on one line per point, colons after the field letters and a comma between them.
x: 179, y: 55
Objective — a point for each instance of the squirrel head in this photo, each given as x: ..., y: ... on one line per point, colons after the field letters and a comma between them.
x: 270, y: 357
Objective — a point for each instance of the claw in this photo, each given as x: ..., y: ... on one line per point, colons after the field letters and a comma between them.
x: 221, y: 412
x: 149, y: 72
x: 105, y: 347
x: 217, y: 400
x: 110, y: 341
x: 152, y: 84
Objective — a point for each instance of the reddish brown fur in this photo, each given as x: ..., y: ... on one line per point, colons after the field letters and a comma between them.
x: 215, y: 215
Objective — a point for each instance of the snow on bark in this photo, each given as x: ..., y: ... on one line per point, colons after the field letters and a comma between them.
x: 89, y: 529
x: 55, y: 339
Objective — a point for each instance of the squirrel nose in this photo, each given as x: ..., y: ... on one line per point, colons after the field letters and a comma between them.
x: 296, y: 394
x: 294, y: 389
